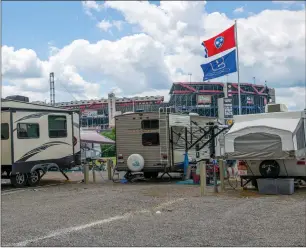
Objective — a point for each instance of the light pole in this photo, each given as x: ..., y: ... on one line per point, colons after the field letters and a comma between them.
x: 254, y: 80
x: 189, y: 77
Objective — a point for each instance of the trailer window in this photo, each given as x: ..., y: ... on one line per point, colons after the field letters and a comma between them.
x: 57, y: 126
x: 5, y: 134
x: 150, y: 139
x: 150, y: 124
x: 27, y: 131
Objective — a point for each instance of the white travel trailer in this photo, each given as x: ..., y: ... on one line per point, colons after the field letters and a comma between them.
x: 270, y: 144
x: 154, y: 142
x: 35, y: 138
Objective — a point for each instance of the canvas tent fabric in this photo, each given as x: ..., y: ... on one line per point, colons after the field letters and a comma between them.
x: 270, y: 138
x: 94, y: 137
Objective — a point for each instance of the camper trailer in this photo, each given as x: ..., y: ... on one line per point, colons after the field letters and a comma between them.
x: 35, y: 138
x: 155, y: 142
x: 270, y: 145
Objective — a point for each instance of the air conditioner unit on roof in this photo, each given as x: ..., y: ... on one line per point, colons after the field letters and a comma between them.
x: 270, y: 108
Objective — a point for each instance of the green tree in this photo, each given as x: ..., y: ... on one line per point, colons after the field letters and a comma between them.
x: 109, y: 150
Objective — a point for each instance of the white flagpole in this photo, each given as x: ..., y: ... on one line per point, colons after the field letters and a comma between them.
x: 237, y: 61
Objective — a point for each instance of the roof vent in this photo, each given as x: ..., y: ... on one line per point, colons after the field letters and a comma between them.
x: 18, y: 98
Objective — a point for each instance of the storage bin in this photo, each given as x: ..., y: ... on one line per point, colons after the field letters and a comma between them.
x: 285, y: 186
x: 267, y: 186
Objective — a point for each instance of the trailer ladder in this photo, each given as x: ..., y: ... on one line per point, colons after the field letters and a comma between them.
x: 163, y: 114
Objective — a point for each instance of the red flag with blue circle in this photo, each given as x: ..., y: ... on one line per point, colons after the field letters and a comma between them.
x: 220, y: 43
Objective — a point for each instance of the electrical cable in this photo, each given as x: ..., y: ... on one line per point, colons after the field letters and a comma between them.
x: 68, y: 91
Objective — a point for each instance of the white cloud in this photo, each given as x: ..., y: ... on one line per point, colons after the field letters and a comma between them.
x: 288, y: 4
x: 239, y: 10
x: 118, y: 24
x: 107, y: 25
x: 165, y: 49
x: 90, y: 6
x: 25, y: 72
x: 104, y: 25
x: 154, y: 92
x: 284, y: 2
x: 293, y: 97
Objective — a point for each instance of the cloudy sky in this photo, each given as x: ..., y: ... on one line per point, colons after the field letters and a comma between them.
x: 140, y: 48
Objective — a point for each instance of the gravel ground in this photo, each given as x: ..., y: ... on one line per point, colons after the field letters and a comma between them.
x: 107, y: 214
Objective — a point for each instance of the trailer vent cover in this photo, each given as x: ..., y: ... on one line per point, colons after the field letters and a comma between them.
x: 135, y: 162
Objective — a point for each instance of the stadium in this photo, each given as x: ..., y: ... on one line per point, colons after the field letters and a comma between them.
x: 196, y: 97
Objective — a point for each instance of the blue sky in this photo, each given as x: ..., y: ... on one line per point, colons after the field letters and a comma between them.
x: 37, y: 25
x: 34, y: 24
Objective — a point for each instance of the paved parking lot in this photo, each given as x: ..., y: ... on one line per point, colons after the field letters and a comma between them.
x: 107, y: 214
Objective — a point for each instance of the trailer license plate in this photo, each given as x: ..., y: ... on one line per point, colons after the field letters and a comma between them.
x: 242, y: 172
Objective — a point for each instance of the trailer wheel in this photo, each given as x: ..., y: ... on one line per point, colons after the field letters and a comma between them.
x: 269, y: 168
x: 19, y: 180
x: 34, y: 178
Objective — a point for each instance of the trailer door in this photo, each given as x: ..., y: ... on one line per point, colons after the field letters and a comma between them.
x: 77, y: 138
x: 6, y: 158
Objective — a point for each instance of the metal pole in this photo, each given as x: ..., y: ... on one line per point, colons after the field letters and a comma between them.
x: 213, y: 152
x: 202, y: 177
x: 305, y: 96
x: 86, y: 173
x: 239, y: 95
x: 221, y: 169
x: 109, y: 169
x: 186, y: 152
x: 93, y: 174
x: 215, y: 179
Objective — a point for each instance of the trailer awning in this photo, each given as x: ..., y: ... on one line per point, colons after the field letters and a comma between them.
x: 94, y: 137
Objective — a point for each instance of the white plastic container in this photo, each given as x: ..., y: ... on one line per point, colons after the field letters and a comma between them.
x: 285, y: 186
x: 267, y: 186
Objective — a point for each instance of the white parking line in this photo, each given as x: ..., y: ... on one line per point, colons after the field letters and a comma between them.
x: 95, y: 223
x: 12, y: 191
x: 8, y: 192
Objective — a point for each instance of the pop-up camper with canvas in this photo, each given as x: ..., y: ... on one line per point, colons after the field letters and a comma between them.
x: 270, y: 144
x: 35, y: 138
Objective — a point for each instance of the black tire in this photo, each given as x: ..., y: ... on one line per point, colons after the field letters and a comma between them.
x: 34, y: 178
x: 269, y: 168
x: 19, y: 180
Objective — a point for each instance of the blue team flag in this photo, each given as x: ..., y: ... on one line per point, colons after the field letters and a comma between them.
x: 220, y: 67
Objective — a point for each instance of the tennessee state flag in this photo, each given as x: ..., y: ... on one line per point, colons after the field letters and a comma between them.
x: 220, y: 43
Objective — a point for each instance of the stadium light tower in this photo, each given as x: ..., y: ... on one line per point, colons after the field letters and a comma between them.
x: 52, y: 89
